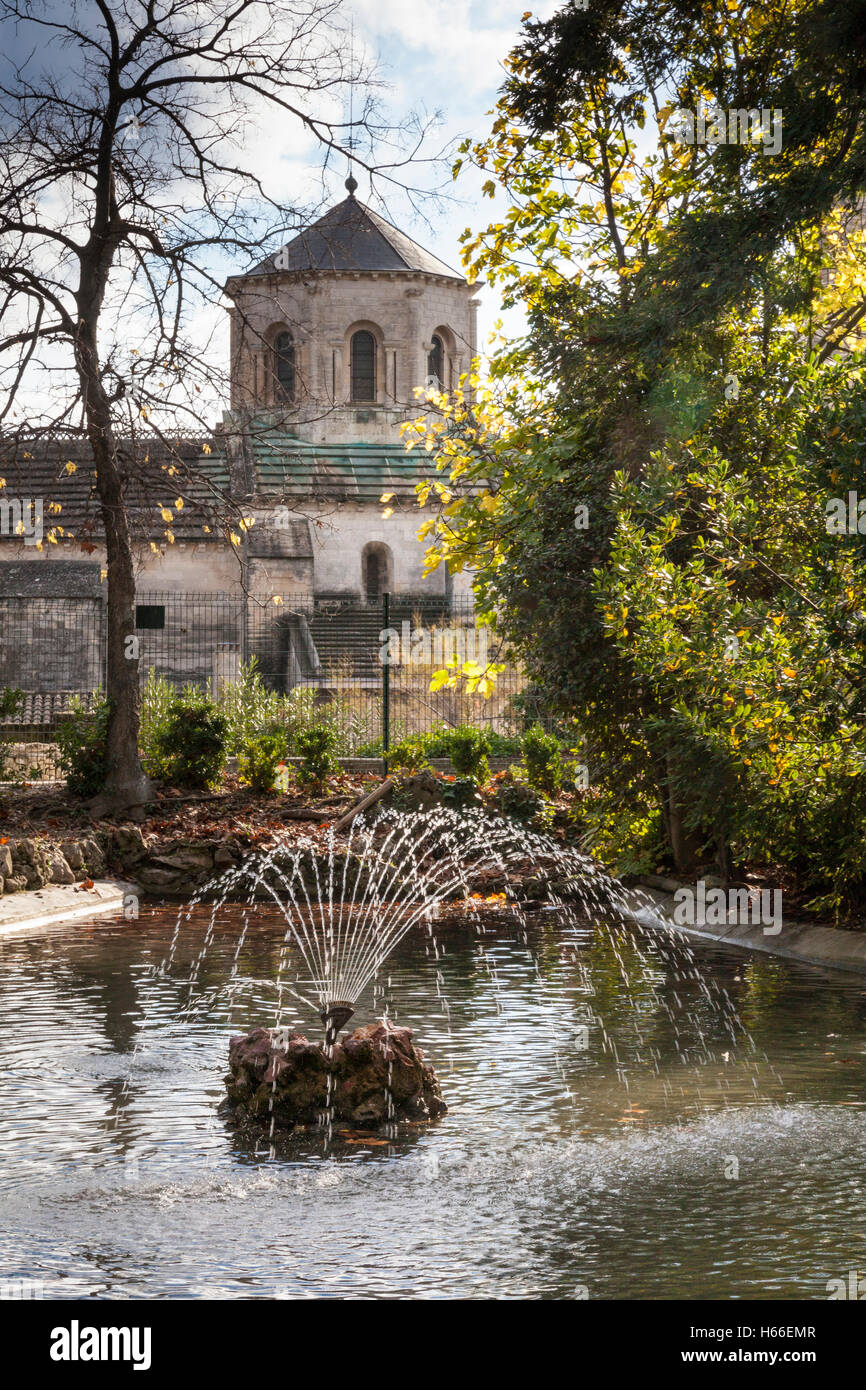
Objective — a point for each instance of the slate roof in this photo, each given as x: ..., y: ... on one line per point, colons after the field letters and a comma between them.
x: 42, y: 470
x: 283, y: 468
x: 352, y: 237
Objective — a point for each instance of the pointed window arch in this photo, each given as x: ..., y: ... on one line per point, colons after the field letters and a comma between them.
x: 284, y: 366
x: 363, y: 358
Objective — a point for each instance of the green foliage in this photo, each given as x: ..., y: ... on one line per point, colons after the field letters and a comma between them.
x: 468, y: 750
x: 462, y: 792
x: 517, y: 800
x: 317, y: 747
x: 82, y: 746
x: 9, y: 701
x: 259, y: 760
x: 543, y: 758
x: 189, y: 745
x: 250, y: 709
x: 640, y: 485
x: 157, y: 700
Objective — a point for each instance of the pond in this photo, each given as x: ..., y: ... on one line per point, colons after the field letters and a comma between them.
x: 627, y: 1120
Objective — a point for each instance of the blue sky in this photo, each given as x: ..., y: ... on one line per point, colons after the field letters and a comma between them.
x: 435, y: 55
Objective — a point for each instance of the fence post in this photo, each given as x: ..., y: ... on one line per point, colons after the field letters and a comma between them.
x: 386, y: 684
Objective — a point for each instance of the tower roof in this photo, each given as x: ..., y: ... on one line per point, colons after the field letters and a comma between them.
x: 351, y: 237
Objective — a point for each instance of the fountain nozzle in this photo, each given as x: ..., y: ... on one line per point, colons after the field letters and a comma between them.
x: 335, y: 1016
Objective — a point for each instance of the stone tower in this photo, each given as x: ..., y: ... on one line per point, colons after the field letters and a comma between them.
x: 333, y: 333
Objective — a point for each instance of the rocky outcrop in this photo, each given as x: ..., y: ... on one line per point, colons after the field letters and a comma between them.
x: 374, y: 1075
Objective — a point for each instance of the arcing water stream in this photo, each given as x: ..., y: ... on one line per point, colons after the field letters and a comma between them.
x: 629, y: 1117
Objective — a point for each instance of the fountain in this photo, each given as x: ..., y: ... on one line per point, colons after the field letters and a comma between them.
x: 346, y: 906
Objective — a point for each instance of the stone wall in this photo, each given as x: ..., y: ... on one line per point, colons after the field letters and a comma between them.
x: 401, y: 310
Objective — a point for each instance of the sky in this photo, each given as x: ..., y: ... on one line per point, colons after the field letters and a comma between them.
x: 432, y: 58
x: 436, y: 56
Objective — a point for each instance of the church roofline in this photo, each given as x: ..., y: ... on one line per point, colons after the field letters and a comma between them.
x: 351, y: 239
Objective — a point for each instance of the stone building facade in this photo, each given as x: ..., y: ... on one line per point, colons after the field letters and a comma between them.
x: 330, y: 338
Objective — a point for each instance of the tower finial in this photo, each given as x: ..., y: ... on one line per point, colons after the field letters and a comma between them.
x: 351, y: 181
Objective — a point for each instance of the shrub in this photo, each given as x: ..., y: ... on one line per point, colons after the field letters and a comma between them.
x: 543, y: 758
x: 468, y: 749
x: 317, y: 747
x: 190, y: 743
x: 463, y: 791
x: 157, y: 699
x: 259, y: 760
x: 82, y: 746
x: 249, y: 708
x: 517, y: 800
x: 9, y: 702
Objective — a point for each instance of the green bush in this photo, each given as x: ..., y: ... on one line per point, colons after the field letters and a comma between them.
x: 517, y: 800
x: 157, y: 699
x: 259, y: 760
x: 462, y: 792
x: 468, y: 749
x: 317, y: 748
x: 9, y: 701
x: 465, y: 745
x: 82, y: 746
x: 543, y: 758
x: 189, y: 746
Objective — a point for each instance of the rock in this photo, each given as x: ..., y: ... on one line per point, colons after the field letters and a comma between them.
x: 188, y: 857
x: 30, y: 861
x: 154, y: 879
x: 128, y: 844
x: 419, y: 792
x: 224, y: 858
x: 94, y: 857
x: 58, y: 868
x: 73, y: 854
x: 16, y: 884
x: 376, y: 1074
x: 5, y: 861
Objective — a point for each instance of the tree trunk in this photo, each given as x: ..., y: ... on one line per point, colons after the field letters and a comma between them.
x: 684, y: 845
x: 126, y: 784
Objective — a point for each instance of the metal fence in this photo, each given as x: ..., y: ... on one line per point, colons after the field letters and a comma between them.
x: 365, y: 668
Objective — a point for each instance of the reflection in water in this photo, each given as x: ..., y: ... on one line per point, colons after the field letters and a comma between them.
x: 603, y: 1088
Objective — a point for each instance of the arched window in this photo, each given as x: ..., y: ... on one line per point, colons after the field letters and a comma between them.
x: 363, y: 366
x: 436, y: 363
x: 284, y: 361
x: 375, y: 571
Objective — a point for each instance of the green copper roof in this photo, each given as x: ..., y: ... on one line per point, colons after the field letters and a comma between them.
x: 360, y: 472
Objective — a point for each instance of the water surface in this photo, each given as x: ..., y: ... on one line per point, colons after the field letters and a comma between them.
x: 626, y: 1121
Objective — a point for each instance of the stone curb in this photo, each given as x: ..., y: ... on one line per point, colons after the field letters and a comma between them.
x: 57, y: 903
x: 837, y: 950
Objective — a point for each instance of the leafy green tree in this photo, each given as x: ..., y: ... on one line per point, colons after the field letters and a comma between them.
x: 640, y: 483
